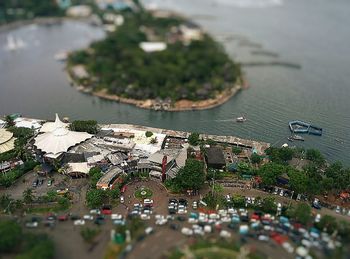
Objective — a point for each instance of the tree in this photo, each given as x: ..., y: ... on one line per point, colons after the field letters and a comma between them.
x: 238, y: 200
x: 269, y: 173
x: 89, y: 126
x: 193, y: 139
x: 280, y: 155
x: 298, y: 181
x: 149, y: 134
x: 10, y: 235
x: 315, y: 156
x: 94, y: 174
x: 268, y: 205
x: 9, y: 121
x: 255, y: 158
x: 94, y: 198
x: 301, y: 213
x: 37, y: 246
x: 243, y: 168
x: 327, y: 223
x: 28, y: 196
x: 191, y: 176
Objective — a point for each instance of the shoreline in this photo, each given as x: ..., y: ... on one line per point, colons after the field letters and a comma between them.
x: 153, y: 104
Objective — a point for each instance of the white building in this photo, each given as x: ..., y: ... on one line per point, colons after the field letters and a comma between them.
x: 59, y: 139
x: 153, y: 46
x: 79, y: 11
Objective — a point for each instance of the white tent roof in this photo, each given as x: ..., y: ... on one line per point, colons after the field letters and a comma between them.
x: 50, y: 126
x: 26, y: 123
x: 7, y: 142
x: 78, y: 168
x: 59, y: 139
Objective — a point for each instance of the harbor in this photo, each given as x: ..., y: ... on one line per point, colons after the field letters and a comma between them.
x: 298, y: 126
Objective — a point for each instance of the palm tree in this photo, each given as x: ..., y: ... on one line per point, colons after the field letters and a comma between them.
x: 28, y: 196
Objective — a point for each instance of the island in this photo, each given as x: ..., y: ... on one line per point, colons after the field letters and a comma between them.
x: 157, y: 60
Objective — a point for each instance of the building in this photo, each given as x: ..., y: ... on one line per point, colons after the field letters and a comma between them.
x: 215, y: 158
x: 79, y: 11
x: 77, y: 169
x: 59, y: 140
x: 118, y: 5
x: 190, y: 32
x: 109, y: 179
x: 27, y: 123
x: 7, y: 141
x: 153, y: 46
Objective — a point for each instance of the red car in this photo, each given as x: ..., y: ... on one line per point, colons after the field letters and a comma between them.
x: 106, y: 210
x: 62, y: 217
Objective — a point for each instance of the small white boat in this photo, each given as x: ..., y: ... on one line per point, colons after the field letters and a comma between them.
x: 61, y: 56
x: 241, y: 119
x: 14, y: 44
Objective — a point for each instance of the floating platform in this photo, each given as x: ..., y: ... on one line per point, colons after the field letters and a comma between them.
x: 304, y: 127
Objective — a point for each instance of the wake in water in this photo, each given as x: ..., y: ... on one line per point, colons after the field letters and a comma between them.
x: 250, y: 3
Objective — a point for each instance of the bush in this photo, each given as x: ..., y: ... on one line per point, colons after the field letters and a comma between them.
x: 10, y: 235
x: 149, y: 134
x: 193, y: 139
x: 89, y: 126
x: 236, y: 150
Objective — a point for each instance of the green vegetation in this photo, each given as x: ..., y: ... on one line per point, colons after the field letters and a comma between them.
x: 119, y: 65
x: 190, y: 177
x: 193, y: 139
x: 94, y: 175
x: 22, y: 10
x: 10, y: 177
x: 280, y: 155
x: 301, y: 213
x: 89, y: 126
x: 143, y: 193
x: 269, y: 173
x: 255, y: 158
x: 10, y: 235
x: 26, y: 245
x: 149, y: 134
x: 236, y: 150
x: 95, y: 198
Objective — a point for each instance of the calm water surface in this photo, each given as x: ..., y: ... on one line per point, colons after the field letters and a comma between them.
x: 313, y: 33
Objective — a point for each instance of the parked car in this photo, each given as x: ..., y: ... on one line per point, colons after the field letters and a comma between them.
x: 32, y: 224
x: 88, y: 217
x: 79, y: 222
x: 225, y: 234
x: 62, y: 218
x: 49, y: 182
x: 187, y: 231
x: 337, y: 209
x: 121, y: 199
x: 149, y: 230
x: 194, y: 205
x: 35, y: 183
x: 95, y: 211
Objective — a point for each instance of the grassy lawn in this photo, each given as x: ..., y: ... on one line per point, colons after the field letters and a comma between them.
x: 143, y: 193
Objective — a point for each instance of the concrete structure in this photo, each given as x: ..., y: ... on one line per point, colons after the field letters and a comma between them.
x: 215, y: 158
x: 107, y: 181
x: 79, y: 11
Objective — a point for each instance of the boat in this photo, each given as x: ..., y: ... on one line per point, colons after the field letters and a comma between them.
x: 290, y: 139
x: 241, y: 119
x: 61, y: 56
x: 297, y: 137
x: 14, y: 44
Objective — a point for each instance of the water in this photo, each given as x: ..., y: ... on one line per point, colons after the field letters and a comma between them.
x: 311, y: 33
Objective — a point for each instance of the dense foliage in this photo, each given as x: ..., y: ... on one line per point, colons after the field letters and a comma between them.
x: 89, y: 126
x: 195, y: 71
x: 20, y: 10
x: 10, y: 235
x: 10, y: 177
x: 190, y: 177
x: 193, y: 139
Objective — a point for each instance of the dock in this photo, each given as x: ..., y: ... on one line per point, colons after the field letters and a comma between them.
x: 298, y: 126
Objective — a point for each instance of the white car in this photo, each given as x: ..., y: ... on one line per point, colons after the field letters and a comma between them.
x: 207, y: 229
x: 95, y: 211
x: 194, y: 205
x: 214, y: 216
x: 161, y: 221
x: 192, y: 220
x: 318, y: 218
x: 149, y: 230
x: 225, y: 234
x: 145, y: 216
x: 288, y: 247
x: 79, y: 222
x: 281, y: 193
x: 121, y: 199
x: 263, y: 238
x: 116, y: 216
x: 228, y: 198
x: 32, y: 224
x: 198, y: 231
x: 337, y: 209
x: 88, y: 217
x: 187, y: 231
x: 232, y: 211
x: 226, y: 219
x: 148, y: 202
